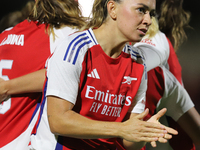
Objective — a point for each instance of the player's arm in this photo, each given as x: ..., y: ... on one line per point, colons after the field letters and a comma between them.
x: 32, y: 82
x: 64, y: 121
x: 190, y: 122
x: 180, y: 107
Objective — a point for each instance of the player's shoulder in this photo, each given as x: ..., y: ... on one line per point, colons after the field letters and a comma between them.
x: 76, y: 45
x: 10, y: 29
x: 12, y: 36
x: 26, y: 26
x: 58, y: 35
x: 63, y: 32
x: 135, y: 53
x: 81, y: 40
x: 85, y: 35
x: 159, y: 40
x: 158, y: 43
x: 160, y: 34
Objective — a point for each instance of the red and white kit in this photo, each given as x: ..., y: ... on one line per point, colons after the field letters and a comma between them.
x: 107, y: 88
x: 41, y: 137
x: 23, y: 49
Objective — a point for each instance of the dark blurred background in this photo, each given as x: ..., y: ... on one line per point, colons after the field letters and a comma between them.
x: 7, y: 6
x: 188, y: 53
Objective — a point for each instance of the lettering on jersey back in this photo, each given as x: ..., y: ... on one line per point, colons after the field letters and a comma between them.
x: 13, y: 39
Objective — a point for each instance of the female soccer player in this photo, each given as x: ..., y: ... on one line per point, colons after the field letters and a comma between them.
x: 94, y: 90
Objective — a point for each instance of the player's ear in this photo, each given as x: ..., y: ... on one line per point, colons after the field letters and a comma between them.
x: 112, y: 7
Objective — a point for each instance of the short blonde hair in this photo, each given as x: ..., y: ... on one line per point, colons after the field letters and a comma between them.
x: 153, y: 29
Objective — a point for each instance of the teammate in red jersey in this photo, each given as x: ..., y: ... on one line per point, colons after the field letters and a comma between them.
x: 19, y: 56
x: 94, y: 90
x: 24, y: 49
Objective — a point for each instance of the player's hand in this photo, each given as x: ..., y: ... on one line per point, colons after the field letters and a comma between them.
x: 136, y: 130
x: 170, y: 131
x: 3, y: 91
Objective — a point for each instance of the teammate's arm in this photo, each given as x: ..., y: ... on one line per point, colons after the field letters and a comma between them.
x: 180, y: 106
x: 190, y: 122
x: 32, y: 82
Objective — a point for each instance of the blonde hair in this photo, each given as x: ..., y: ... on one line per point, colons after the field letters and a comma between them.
x: 57, y: 13
x: 153, y: 28
x: 99, y: 13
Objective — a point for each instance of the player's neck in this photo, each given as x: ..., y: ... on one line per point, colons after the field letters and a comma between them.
x: 109, y: 41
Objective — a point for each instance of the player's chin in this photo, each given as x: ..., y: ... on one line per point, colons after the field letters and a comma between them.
x: 136, y: 38
x: 139, y: 38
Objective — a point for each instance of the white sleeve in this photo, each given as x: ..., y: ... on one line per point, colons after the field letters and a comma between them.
x: 58, y: 36
x: 152, y: 57
x: 175, y: 98
x: 140, y: 98
x: 63, y: 77
x: 155, y: 51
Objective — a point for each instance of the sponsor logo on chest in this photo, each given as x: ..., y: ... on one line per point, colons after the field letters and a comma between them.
x: 106, y: 102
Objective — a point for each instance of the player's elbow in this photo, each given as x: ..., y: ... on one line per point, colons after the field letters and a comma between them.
x: 52, y: 128
x: 54, y: 125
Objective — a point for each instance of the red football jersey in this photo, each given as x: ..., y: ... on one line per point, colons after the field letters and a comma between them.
x: 23, y: 49
x: 102, y: 88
